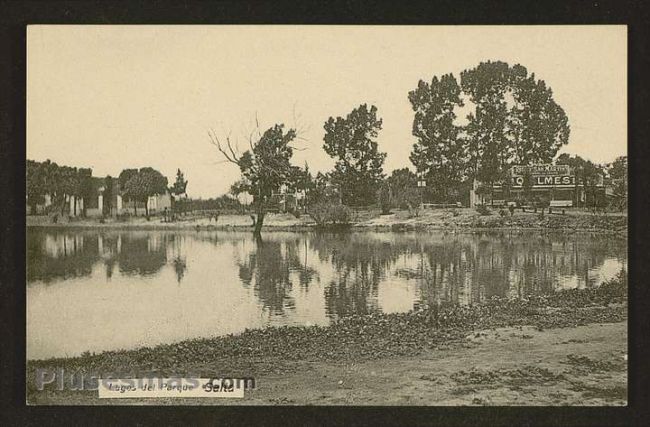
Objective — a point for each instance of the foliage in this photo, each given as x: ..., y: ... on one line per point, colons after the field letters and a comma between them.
x: 439, y: 155
x: 385, y: 198
x: 139, y: 185
x: 36, y: 184
x: 527, y: 186
x: 351, y: 141
x: 222, y: 203
x: 59, y: 182
x: 412, y: 200
x: 515, y: 122
x: 122, y: 179
x: 340, y: 214
x: 618, y: 174
x: 85, y: 187
x: 108, y: 195
x: 178, y: 189
x: 264, y: 168
x: 322, y: 190
x: 325, y: 213
x: 483, y: 210
x: 587, y: 173
x: 403, y: 189
x: 180, y: 185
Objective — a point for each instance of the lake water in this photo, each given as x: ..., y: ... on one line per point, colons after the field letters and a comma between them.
x: 104, y: 290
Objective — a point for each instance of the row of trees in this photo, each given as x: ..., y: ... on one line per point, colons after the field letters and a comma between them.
x: 57, y: 182
x: 62, y: 182
x: 515, y: 121
x: 589, y: 174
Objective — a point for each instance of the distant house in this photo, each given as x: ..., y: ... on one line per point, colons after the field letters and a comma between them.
x: 286, y: 200
x: 101, y: 204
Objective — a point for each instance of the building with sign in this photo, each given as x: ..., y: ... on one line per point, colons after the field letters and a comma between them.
x: 556, y: 184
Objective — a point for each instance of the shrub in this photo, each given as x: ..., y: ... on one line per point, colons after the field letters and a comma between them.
x: 483, y: 210
x: 319, y: 212
x: 503, y: 213
x: 454, y: 212
x: 414, y: 210
x: 385, y: 199
x: 339, y: 214
x: 328, y: 213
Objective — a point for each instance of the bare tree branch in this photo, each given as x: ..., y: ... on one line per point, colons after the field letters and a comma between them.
x: 214, y: 140
x: 257, y: 124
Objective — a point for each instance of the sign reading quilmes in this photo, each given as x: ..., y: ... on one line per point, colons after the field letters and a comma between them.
x: 171, y: 387
x: 544, y: 175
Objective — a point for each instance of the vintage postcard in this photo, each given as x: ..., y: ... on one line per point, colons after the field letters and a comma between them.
x: 326, y: 215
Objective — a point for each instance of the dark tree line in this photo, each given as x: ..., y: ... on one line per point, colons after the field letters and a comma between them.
x: 59, y: 183
x: 516, y: 122
x: 62, y: 182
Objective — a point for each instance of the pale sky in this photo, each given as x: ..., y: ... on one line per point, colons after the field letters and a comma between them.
x: 116, y: 97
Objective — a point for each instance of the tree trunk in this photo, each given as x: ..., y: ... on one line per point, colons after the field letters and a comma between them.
x: 258, y: 223
x: 135, y: 208
x: 146, y: 208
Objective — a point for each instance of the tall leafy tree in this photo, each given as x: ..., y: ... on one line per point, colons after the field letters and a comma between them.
x: 178, y: 189
x: 404, y: 191
x: 67, y: 185
x: 35, y: 184
x: 108, y: 195
x: 151, y: 183
x: 618, y: 173
x: 516, y: 114
x: 86, y: 190
x: 439, y: 153
x: 180, y: 184
x: 587, y: 173
x: 516, y: 121
x: 141, y: 184
x: 351, y: 141
x: 264, y: 168
x: 127, y: 192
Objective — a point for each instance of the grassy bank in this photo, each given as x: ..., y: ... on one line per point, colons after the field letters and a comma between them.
x: 377, y: 338
x: 445, y: 219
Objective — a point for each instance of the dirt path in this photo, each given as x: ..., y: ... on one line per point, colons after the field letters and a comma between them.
x: 583, y: 365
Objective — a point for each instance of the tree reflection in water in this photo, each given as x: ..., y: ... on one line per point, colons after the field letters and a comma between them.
x: 180, y: 266
x: 60, y: 255
x: 142, y: 253
x: 360, y: 262
x: 55, y: 255
x: 443, y: 267
x: 270, y: 269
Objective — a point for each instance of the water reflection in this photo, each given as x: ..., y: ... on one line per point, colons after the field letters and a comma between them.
x: 231, y: 281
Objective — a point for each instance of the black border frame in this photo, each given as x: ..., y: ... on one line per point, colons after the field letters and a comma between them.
x: 14, y: 16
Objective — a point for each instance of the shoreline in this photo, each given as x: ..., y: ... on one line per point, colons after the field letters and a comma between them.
x: 444, y: 333
x: 511, y: 366
x: 570, y: 224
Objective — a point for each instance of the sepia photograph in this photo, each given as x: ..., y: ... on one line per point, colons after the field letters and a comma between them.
x: 326, y: 215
